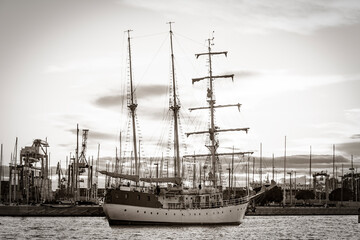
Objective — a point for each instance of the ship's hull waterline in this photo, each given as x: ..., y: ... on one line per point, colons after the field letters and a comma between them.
x: 119, y: 214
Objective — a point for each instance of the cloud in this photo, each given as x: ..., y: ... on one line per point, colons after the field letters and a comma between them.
x: 355, y: 136
x: 96, y: 135
x: 258, y: 16
x: 349, y: 148
x: 65, y: 145
x: 301, y: 164
x: 244, y: 74
x: 303, y: 161
x: 109, y: 101
x: 84, y: 65
x: 353, y: 115
x: 286, y: 81
x: 151, y: 90
x: 142, y: 92
x: 102, y: 136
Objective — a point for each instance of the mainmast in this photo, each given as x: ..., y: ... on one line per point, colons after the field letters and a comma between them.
x: 175, y: 108
x: 211, y: 101
x: 132, y: 106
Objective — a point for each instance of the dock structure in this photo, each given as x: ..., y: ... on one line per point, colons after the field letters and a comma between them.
x: 79, y: 171
x: 28, y: 183
x: 29, y: 176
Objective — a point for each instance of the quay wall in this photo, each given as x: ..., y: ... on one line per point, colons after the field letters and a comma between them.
x: 271, y: 211
x: 51, y: 211
x: 98, y: 211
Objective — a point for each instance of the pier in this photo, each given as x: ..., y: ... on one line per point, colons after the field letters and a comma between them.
x: 273, y: 211
x: 52, y: 211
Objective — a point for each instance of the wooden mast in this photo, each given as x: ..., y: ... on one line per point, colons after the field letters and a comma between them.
x: 213, y: 146
x: 132, y: 106
x: 175, y: 108
x: 210, y: 95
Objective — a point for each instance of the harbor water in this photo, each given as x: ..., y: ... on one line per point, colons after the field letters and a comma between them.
x: 253, y: 227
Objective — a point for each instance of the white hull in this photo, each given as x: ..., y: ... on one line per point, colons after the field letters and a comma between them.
x: 126, y: 214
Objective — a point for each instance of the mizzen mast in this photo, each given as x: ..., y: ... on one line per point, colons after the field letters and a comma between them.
x: 211, y: 101
x: 175, y: 108
x: 132, y: 105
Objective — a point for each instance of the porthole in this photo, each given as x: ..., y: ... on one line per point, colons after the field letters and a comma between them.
x: 150, y: 212
x: 124, y: 210
x: 165, y: 213
x: 137, y: 211
x: 230, y: 210
x: 157, y: 213
x: 174, y: 214
x: 144, y: 211
x: 206, y: 213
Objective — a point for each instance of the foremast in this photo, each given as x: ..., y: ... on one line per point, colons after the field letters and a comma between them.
x: 211, y: 101
x: 175, y: 108
x: 132, y: 105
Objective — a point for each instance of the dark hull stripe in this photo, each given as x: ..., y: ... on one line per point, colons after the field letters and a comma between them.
x: 124, y: 222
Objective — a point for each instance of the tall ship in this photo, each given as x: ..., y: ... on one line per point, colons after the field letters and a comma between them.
x: 165, y: 199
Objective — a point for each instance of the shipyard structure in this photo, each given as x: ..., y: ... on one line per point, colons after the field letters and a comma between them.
x: 29, y: 177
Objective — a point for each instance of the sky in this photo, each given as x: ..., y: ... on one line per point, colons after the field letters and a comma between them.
x: 296, y: 66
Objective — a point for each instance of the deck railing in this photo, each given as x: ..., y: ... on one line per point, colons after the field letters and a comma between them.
x: 198, y: 205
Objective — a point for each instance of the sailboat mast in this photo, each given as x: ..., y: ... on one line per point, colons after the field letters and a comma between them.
x: 273, y: 167
x: 175, y: 108
x: 132, y: 106
x: 211, y: 101
x: 310, y: 170
x: 212, y: 123
x: 261, y: 164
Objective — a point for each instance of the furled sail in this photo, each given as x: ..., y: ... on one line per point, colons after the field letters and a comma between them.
x: 176, y: 180
x: 134, y: 178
